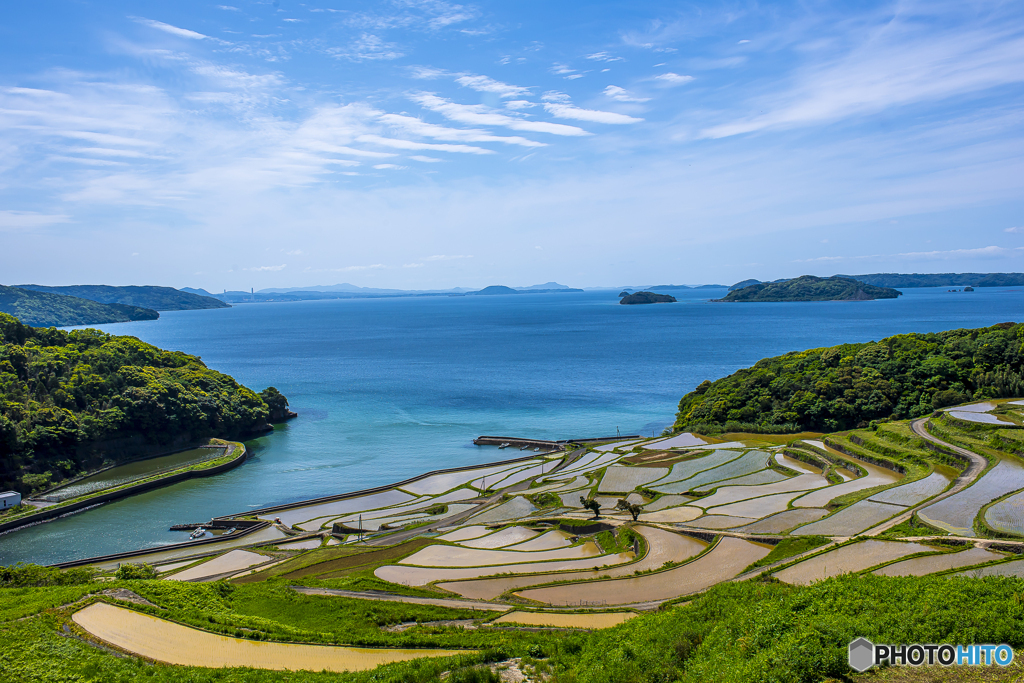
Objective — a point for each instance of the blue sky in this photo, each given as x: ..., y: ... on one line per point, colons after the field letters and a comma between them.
x: 428, y: 144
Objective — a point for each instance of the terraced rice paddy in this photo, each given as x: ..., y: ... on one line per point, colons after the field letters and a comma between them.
x: 748, y: 463
x: 339, y: 507
x: 725, y: 560
x: 929, y: 564
x: 307, y: 544
x: 796, y: 465
x: 916, y: 491
x: 233, y: 541
x: 662, y: 546
x: 667, y: 502
x: 449, y: 556
x: 755, y: 479
x: 546, y: 541
x: 618, y: 479
x: 688, y: 468
x: 734, y: 494
x: 166, y: 641
x: 421, y: 576
x: 755, y: 508
x: 514, y: 509
x: 957, y: 512
x: 673, y: 515
x: 876, y: 476
x: 783, y: 521
x: 850, y: 558
x: 982, y: 418
x: 588, y: 620
x: 684, y: 440
x: 234, y: 561
x: 616, y: 444
x: 719, y: 522
x: 852, y: 520
x: 507, y: 536
x: 1012, y: 568
x: 1007, y: 515
x: 465, y: 533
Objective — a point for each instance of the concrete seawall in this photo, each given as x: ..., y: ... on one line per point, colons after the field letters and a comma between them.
x: 58, y: 510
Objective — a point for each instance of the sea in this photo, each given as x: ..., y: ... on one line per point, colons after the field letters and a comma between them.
x: 388, y: 388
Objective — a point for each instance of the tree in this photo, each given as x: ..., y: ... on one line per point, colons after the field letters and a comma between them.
x: 592, y: 505
x: 631, y: 508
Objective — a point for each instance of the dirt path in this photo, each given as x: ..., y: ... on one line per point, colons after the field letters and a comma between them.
x: 392, y: 597
x: 967, y: 477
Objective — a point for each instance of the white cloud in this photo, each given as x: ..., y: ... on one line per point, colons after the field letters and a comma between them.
x: 516, y: 105
x: 566, y: 111
x: 412, y: 265
x: 562, y: 69
x: 481, y: 115
x: 603, y: 57
x: 381, y: 167
x: 415, y: 126
x: 487, y: 84
x: 367, y: 47
x: 427, y: 72
x: 443, y: 257
x: 294, y: 252
x: 407, y: 144
x: 1015, y: 230
x: 426, y: 160
x: 673, y: 78
x: 29, y: 220
x: 267, y: 268
x: 622, y: 95
x: 167, y: 28
x: 229, y: 8
x: 983, y: 252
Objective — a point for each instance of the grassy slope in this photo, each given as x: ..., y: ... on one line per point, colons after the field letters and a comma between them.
x: 44, y: 309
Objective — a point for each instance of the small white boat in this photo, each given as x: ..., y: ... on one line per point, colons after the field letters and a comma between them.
x: 198, y: 533
x: 537, y: 449
x: 524, y: 447
x: 504, y: 445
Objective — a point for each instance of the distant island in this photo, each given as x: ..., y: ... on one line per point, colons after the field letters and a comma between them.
x: 348, y: 291
x: 647, y: 298
x: 502, y: 289
x: 44, y: 309
x: 147, y: 296
x: 811, y: 288
x: 912, y: 280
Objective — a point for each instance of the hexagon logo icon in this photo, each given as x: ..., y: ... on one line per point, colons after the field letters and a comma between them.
x: 861, y: 655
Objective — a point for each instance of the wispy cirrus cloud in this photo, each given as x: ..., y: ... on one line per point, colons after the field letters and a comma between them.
x: 487, y: 84
x: 673, y: 78
x: 264, y: 269
x: 622, y: 95
x: 168, y: 28
x: 416, y: 126
x: 30, y: 220
x: 568, y: 111
x: 481, y: 115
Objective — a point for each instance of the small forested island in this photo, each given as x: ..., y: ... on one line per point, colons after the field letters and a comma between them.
x: 69, y: 400
x: 46, y: 309
x: 851, y: 385
x: 811, y: 288
x: 146, y: 296
x: 647, y: 298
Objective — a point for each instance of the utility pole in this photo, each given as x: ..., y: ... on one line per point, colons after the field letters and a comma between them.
x: 360, y: 527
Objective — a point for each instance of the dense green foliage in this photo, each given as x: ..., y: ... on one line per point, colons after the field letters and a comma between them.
x: 841, y: 387
x: 45, y: 309
x: 735, y: 633
x: 772, y: 632
x: 157, y: 298
x: 71, y: 399
x: 33, y: 575
x: 647, y: 298
x: 942, y: 279
x: 811, y: 288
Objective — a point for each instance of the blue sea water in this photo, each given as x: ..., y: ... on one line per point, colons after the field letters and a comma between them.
x: 388, y: 388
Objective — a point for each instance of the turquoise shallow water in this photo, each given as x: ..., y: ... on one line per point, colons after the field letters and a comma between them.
x: 388, y: 388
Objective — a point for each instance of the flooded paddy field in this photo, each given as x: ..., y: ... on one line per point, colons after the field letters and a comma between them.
x: 851, y: 558
x: 588, y: 620
x: 957, y: 512
x: 852, y: 520
x: 929, y: 564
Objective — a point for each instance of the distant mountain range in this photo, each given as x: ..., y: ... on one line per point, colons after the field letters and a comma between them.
x: 911, y: 280
x: 347, y: 291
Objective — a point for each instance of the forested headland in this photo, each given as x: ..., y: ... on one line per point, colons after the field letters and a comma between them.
x: 147, y: 296
x: 69, y: 400
x: 850, y: 385
x: 45, y: 309
x: 811, y: 288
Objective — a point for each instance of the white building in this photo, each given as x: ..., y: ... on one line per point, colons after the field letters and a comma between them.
x: 9, y: 499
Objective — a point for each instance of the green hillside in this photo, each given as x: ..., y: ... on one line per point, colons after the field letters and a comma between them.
x: 66, y: 396
x: 157, y: 298
x: 811, y: 288
x: 843, y: 386
x: 44, y: 309
x: 941, y: 279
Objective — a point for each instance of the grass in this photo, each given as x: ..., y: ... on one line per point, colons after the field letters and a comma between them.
x: 336, y: 561
x: 913, y: 527
x: 789, y: 547
x: 771, y: 439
